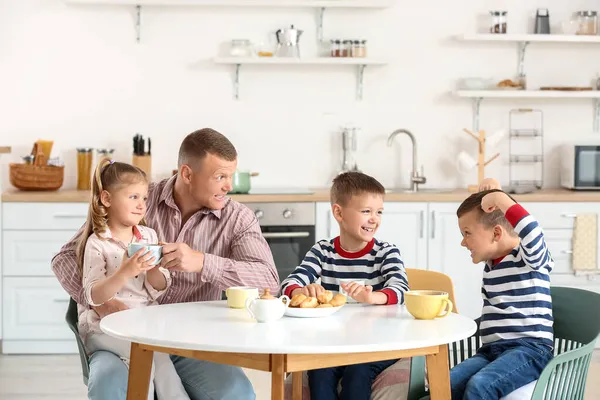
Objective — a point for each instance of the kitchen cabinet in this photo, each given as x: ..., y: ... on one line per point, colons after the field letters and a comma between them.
x: 33, y: 302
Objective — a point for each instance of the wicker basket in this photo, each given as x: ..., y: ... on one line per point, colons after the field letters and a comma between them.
x: 37, y: 176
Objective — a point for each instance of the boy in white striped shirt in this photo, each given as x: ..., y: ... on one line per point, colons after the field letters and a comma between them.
x: 516, y: 321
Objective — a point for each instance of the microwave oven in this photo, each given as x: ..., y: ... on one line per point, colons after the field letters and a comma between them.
x: 580, y: 167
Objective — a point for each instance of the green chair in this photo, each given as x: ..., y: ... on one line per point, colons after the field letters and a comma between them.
x: 576, y: 327
x: 71, y: 319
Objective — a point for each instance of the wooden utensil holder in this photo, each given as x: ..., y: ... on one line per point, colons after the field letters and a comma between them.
x: 144, y: 163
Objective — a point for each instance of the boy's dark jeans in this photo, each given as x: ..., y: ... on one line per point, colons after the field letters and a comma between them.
x: 356, y: 381
x: 498, y: 369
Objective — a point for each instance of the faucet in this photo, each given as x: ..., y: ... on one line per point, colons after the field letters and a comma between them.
x: 415, y: 179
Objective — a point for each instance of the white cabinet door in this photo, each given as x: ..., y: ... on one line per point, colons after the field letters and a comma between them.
x: 402, y: 224
x: 446, y: 255
x: 44, y: 216
x: 34, y: 309
x: 29, y: 253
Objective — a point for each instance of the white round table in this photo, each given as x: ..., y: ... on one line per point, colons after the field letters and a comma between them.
x: 213, y: 332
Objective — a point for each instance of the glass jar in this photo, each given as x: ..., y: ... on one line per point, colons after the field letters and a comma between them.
x: 359, y: 48
x: 347, y: 48
x: 335, y: 48
x: 84, y: 168
x: 587, y: 23
x: 498, y: 22
x: 240, y: 48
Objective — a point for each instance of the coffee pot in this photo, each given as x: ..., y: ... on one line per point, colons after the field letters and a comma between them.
x: 287, y: 42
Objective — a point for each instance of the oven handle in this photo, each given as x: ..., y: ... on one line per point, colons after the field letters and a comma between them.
x: 285, y: 235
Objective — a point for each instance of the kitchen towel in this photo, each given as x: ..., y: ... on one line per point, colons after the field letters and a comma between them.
x: 585, y: 244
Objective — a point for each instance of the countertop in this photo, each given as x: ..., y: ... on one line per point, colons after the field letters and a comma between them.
x: 319, y: 195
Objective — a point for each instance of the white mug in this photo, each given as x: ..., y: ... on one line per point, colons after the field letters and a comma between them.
x: 465, y: 162
x: 342, y: 291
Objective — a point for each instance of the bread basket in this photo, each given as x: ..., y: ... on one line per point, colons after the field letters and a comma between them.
x: 36, y: 176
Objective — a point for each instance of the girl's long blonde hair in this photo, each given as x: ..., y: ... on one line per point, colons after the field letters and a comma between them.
x: 109, y: 175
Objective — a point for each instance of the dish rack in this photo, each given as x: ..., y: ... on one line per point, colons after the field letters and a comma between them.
x: 525, y: 150
x: 36, y: 176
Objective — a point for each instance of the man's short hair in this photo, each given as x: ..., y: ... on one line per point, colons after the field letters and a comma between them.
x: 350, y: 184
x: 489, y: 220
x: 198, y: 144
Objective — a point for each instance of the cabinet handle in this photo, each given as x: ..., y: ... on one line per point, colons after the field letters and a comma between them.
x: 567, y: 215
x: 421, y: 223
x: 61, y: 300
x: 567, y: 251
x: 433, y: 224
x: 66, y: 216
x: 285, y: 235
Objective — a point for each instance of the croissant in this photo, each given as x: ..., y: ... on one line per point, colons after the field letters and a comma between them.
x: 310, y: 302
x: 325, y: 297
x: 297, y: 300
x: 324, y: 306
x: 338, y: 300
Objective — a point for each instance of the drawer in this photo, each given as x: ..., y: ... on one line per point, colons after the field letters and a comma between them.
x: 559, y: 215
x: 559, y: 242
x: 29, y: 253
x: 44, y: 216
x: 34, y: 309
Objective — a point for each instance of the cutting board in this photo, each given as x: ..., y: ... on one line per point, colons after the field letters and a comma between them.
x: 567, y: 88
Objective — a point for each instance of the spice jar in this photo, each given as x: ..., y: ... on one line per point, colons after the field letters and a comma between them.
x: 28, y: 159
x: 587, y: 22
x: 498, y: 22
x: 347, y: 48
x: 84, y: 168
x: 335, y: 48
x: 360, y: 48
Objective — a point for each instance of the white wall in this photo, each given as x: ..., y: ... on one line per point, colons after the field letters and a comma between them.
x: 74, y: 74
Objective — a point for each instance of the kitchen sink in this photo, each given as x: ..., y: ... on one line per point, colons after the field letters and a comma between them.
x: 420, y: 190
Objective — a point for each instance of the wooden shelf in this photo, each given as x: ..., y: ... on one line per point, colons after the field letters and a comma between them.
x: 529, y: 94
x: 244, y: 3
x: 358, y: 62
x: 5, y: 149
x: 530, y: 38
x: 299, y: 61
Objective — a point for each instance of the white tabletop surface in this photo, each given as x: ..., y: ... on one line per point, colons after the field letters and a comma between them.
x: 212, y: 326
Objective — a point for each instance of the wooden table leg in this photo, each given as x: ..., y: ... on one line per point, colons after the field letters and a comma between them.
x: 277, y: 376
x: 438, y: 371
x: 296, y: 385
x: 140, y: 368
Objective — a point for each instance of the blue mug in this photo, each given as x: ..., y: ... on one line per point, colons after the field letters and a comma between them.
x: 154, y: 249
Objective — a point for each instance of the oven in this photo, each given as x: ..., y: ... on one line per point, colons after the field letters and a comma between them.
x: 289, y: 229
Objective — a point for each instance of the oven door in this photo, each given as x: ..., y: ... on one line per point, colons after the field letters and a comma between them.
x: 587, y: 167
x: 289, y: 245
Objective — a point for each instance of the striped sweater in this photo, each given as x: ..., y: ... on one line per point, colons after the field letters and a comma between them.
x: 516, y: 288
x: 379, y: 264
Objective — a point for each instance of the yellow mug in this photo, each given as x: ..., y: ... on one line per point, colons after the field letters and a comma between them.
x: 237, y: 295
x: 427, y: 304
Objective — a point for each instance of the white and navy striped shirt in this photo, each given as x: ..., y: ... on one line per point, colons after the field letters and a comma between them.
x: 516, y: 288
x: 379, y: 264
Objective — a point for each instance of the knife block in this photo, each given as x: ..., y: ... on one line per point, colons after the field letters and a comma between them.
x: 145, y: 164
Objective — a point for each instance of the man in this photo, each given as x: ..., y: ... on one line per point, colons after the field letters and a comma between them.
x: 210, y: 243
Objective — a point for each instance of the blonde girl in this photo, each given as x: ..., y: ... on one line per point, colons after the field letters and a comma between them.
x: 115, y: 219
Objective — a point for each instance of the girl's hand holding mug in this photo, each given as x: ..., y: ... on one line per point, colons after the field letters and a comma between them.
x: 138, y: 263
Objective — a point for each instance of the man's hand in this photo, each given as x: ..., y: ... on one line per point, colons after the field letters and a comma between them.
x: 489, y: 184
x: 180, y: 257
x: 109, y: 307
x: 496, y: 200
x: 312, y: 290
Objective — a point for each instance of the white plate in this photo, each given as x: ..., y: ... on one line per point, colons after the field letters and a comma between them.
x: 311, y: 312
